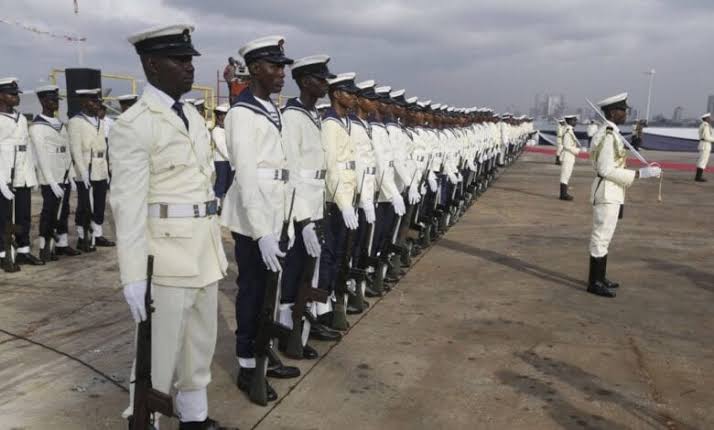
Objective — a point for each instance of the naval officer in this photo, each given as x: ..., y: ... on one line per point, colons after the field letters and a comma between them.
x: 571, y: 149
x: 706, y: 138
x: 17, y: 176
x: 608, y: 156
x: 163, y: 204
x: 54, y: 170
x: 258, y: 201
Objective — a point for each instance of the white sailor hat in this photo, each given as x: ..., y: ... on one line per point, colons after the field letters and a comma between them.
x: 614, y: 102
x: 314, y: 65
x: 47, y: 90
x: 344, y: 82
x: 412, y: 100
x: 366, y: 90
x: 424, y: 103
x: 165, y: 40
x: 321, y: 106
x: 268, y: 48
x: 572, y: 116
x: 398, y: 97
x: 199, y: 102
x: 189, y: 100
x: 450, y: 109
x: 706, y: 115
x: 223, y: 108
x: 9, y: 86
x: 436, y: 106
x: 89, y: 92
x: 127, y: 97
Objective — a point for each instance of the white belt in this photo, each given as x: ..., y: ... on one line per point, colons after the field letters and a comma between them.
x: 183, y: 210
x: 274, y: 174
x: 349, y: 165
x: 312, y: 174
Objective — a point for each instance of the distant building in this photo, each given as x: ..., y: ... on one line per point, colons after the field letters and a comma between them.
x: 710, y: 103
x: 678, y: 114
x: 548, y: 106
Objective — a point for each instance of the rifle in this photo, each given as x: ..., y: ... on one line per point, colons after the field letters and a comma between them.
x: 49, y: 240
x: 11, y: 228
x: 268, y: 327
x: 339, y: 312
x: 405, y: 247
x: 147, y: 400
x: 418, y: 220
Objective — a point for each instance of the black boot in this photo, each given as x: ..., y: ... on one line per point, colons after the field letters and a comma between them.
x: 564, y: 193
x: 596, y: 276
x: 67, y: 250
x: 700, y: 175
x: 245, y: 378
x: 103, y: 242
x: 606, y: 281
x: 27, y: 258
x: 276, y: 368
x: 207, y: 424
x: 557, y: 160
x: 8, y: 265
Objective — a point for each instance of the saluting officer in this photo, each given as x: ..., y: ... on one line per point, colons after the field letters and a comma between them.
x: 612, y: 178
x: 17, y: 175
x: 706, y: 138
x: 54, y: 169
x: 306, y: 160
x: 571, y: 149
x: 257, y: 203
x: 88, y: 145
x: 163, y: 204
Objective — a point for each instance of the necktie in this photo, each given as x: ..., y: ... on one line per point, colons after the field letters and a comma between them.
x: 178, y: 108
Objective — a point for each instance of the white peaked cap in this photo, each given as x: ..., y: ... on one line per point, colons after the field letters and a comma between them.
x: 382, y: 90
x: 397, y: 93
x: 164, y: 30
x: 612, y: 100
x: 341, y: 78
x: 366, y: 84
x: 90, y: 91
x: 127, y: 97
x: 259, y: 43
x: 222, y: 108
x: 309, y: 61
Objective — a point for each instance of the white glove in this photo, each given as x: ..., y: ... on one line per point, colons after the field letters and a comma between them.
x: 135, y: 293
x: 414, y: 194
x: 431, y: 178
x: 73, y: 185
x: 453, y: 178
x: 369, y: 214
x: 85, y: 179
x: 422, y: 190
x: 350, y: 218
x: 398, y: 203
x: 57, y: 190
x: 650, y: 172
x: 270, y: 251
x: 312, y: 243
x: 5, y: 190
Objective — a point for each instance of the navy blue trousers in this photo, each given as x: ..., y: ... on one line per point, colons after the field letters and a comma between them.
x: 252, y: 278
x: 224, y: 178
x: 49, y: 223
x: 295, y: 261
x: 333, y: 249
x: 22, y: 203
x: 383, y: 227
x: 99, y: 193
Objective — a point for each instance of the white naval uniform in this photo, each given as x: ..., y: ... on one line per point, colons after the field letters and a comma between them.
x: 157, y: 161
x: 15, y: 150
x: 609, y: 157
x: 51, y: 143
x: 365, y: 160
x: 384, y: 159
x: 341, y: 180
x: 559, y: 131
x: 571, y: 149
x: 88, y: 142
x: 706, y: 138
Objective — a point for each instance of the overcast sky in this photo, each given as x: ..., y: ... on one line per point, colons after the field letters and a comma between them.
x: 497, y: 53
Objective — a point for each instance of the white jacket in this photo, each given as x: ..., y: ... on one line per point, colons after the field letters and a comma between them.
x: 609, y: 157
x: 15, y: 151
x: 51, y: 143
x: 88, y: 144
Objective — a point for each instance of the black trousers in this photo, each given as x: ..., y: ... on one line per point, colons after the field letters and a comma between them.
x: 383, y: 227
x: 49, y: 222
x: 99, y: 193
x: 333, y: 249
x: 295, y: 261
x: 252, y: 278
x: 22, y: 203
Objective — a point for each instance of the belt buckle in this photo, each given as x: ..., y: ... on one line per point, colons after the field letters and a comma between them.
x: 163, y: 210
x: 276, y: 174
x: 196, y: 211
x: 285, y: 175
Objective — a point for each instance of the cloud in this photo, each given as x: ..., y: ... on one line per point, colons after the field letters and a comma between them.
x: 490, y: 52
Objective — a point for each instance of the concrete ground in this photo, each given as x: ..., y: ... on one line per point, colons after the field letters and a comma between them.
x: 491, y: 329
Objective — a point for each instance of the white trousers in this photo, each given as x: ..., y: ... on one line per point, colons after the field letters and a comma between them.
x: 705, y: 149
x: 183, y: 335
x: 604, y: 224
x: 567, y: 161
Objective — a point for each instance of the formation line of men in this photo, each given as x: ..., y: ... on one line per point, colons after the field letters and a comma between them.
x: 325, y: 209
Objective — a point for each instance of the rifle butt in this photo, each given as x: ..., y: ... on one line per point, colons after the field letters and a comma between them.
x: 339, y: 314
x: 258, y: 385
x: 293, y: 343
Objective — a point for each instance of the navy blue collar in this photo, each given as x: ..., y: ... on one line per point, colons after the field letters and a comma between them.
x: 39, y: 120
x: 331, y: 115
x: 15, y: 115
x: 296, y: 104
x: 247, y: 100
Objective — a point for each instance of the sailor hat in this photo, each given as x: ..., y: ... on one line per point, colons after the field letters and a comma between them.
x: 383, y: 93
x: 268, y: 48
x: 571, y: 117
x: 366, y: 90
x: 436, y: 106
x: 189, y: 101
x: 199, y: 102
x: 314, y: 65
x: 48, y: 91
x: 89, y: 92
x: 9, y: 86
x: 450, y: 109
x: 165, y: 41
x: 398, y: 97
x: 344, y: 82
x: 322, y: 106
x: 706, y: 115
x: 127, y: 97
x: 615, y: 102
x: 223, y: 108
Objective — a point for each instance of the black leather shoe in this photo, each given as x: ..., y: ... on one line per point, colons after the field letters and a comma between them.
x: 600, y: 289
x: 322, y: 332
x: 245, y: 376
x: 85, y: 247
x: 309, y: 353
x: 28, y: 259
x: 67, y: 251
x: 8, y: 266
x: 208, y: 424
x: 130, y: 421
x: 369, y: 292
x: 104, y: 242
x: 610, y: 284
x: 283, y: 372
x: 46, y: 255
